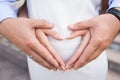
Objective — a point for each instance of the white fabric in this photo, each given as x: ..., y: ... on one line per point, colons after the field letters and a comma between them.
x: 63, y: 13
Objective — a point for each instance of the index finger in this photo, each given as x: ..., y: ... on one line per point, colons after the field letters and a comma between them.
x: 89, y: 50
x: 44, y: 53
x: 44, y: 40
x: 84, y: 43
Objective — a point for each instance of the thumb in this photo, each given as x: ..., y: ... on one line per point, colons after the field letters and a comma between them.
x: 41, y: 24
x: 53, y: 34
x: 80, y: 25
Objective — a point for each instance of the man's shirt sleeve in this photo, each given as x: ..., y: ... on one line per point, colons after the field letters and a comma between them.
x: 6, y: 10
x: 114, y: 3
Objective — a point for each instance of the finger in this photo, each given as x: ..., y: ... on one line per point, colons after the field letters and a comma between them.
x: 85, y: 63
x: 77, y: 33
x: 43, y: 39
x: 39, y: 59
x: 42, y: 62
x: 96, y: 54
x: 83, y: 45
x: 70, y: 66
x: 43, y: 52
x: 91, y: 58
x: 41, y: 24
x: 53, y: 34
x: 89, y: 50
x: 80, y: 25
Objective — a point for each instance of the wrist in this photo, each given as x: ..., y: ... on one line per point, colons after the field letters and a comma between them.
x: 115, y: 12
x: 6, y: 19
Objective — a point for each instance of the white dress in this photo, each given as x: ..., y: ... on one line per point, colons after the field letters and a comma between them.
x: 63, y: 13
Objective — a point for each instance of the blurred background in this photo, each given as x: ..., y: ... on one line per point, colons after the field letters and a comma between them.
x: 13, y: 63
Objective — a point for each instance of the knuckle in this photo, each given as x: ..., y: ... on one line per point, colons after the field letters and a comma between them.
x: 26, y: 50
x: 30, y: 43
x: 105, y: 44
x: 99, y: 41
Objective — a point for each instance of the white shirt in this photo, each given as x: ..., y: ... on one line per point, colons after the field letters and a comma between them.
x: 63, y: 13
x: 7, y: 11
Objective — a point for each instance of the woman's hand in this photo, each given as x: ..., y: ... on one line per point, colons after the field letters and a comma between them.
x: 22, y: 32
x: 41, y: 35
x: 103, y: 30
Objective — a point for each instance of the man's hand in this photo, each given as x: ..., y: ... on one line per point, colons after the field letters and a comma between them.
x: 85, y: 35
x: 103, y: 30
x: 21, y: 32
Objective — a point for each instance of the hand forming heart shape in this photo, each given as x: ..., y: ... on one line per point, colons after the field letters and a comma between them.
x: 42, y: 36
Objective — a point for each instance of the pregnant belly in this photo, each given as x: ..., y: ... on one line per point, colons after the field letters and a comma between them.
x: 65, y: 48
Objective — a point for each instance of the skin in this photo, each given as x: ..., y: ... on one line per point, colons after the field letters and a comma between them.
x: 103, y: 29
x: 41, y: 35
x: 30, y: 35
x: 22, y: 32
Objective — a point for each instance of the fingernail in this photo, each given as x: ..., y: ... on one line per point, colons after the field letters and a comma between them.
x: 69, y: 37
x: 62, y: 37
x: 67, y: 66
x: 60, y: 69
x: 75, y: 68
x: 71, y: 26
x: 62, y: 63
x: 51, y: 24
x: 63, y: 67
x: 55, y: 69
